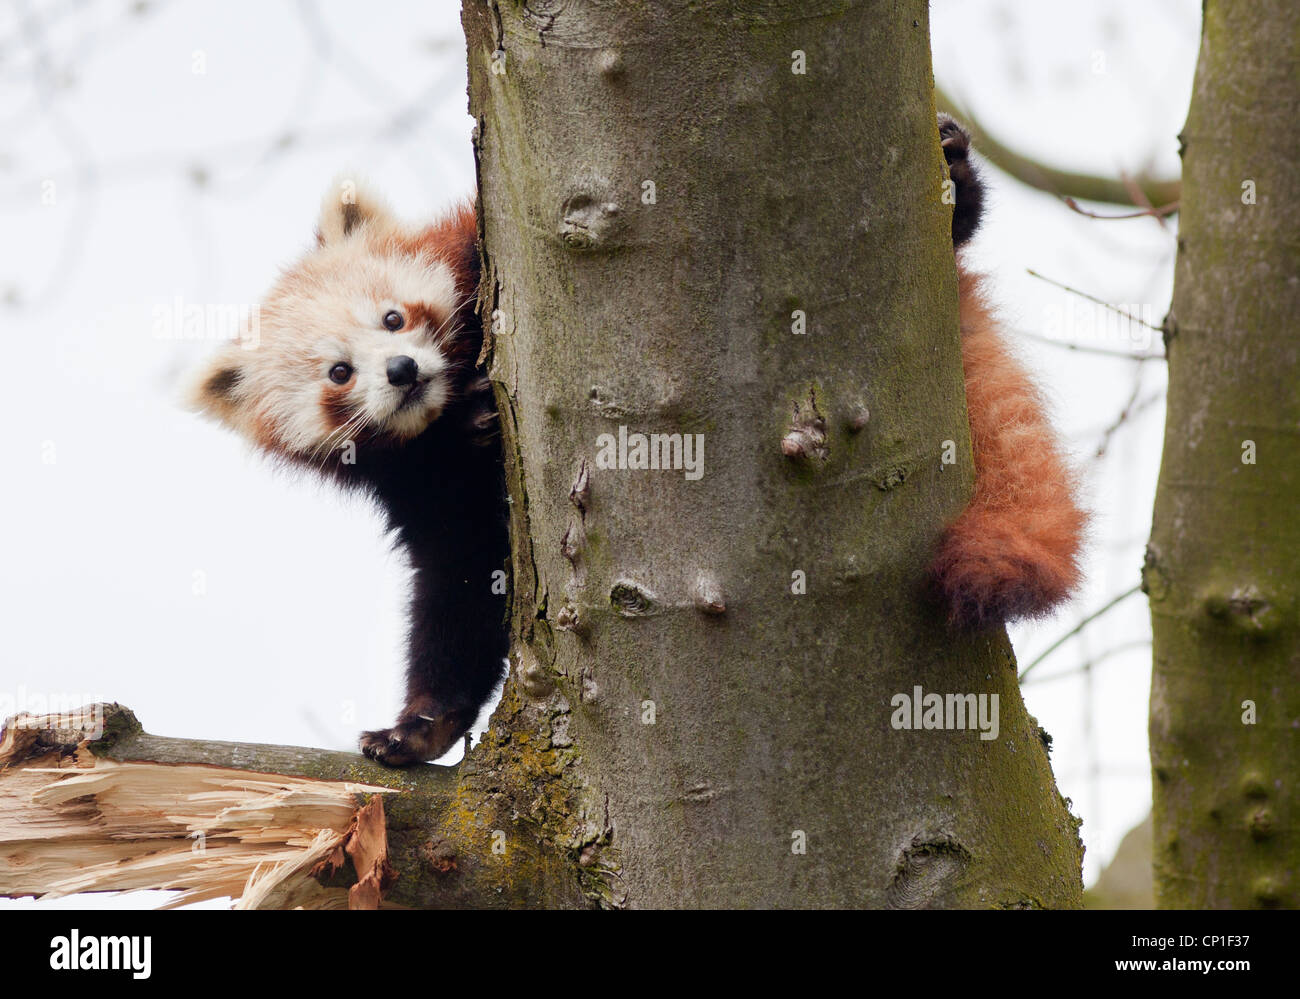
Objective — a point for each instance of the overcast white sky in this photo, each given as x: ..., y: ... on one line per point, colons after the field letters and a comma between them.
x: 181, y: 153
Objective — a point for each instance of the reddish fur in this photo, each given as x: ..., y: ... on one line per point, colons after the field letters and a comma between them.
x: 264, y: 434
x: 418, y: 314
x: 335, y: 403
x: 1014, y: 551
x: 453, y: 239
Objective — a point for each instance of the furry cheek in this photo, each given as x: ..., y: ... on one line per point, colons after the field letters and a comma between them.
x: 336, y: 405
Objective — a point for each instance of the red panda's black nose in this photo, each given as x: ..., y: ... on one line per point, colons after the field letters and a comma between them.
x: 402, y: 370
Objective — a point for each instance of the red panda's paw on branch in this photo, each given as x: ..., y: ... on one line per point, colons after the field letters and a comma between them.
x: 995, y: 566
x: 415, y: 740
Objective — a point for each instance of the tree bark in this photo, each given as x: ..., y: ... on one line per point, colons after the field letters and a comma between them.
x: 1221, y: 565
x: 254, y: 822
x: 661, y: 192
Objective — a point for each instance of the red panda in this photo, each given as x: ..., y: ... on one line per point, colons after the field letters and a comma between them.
x: 1014, y: 551
x: 363, y: 368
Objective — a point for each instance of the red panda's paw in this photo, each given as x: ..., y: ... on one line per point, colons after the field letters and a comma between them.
x: 968, y: 188
x: 992, y: 569
x: 415, y: 740
x: 482, y: 423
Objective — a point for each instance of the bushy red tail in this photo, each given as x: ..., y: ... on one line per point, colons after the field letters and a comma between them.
x: 1014, y: 551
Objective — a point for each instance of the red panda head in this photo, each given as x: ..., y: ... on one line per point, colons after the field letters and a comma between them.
x: 350, y: 346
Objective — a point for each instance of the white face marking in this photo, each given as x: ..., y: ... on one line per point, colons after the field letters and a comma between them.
x: 329, y: 310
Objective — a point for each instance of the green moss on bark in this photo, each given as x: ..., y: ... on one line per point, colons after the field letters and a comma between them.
x: 1220, y: 568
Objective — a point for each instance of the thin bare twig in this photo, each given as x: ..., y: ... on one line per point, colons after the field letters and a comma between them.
x: 1078, y: 628
x: 1128, y: 355
x: 1114, y: 650
x: 1168, y: 209
x: 1141, y: 200
x: 1096, y: 301
x: 1131, y: 409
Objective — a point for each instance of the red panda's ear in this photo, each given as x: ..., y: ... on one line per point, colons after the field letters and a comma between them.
x: 348, y: 205
x: 214, y: 389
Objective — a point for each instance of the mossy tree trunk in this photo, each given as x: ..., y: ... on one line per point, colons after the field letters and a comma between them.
x: 699, y: 706
x: 1221, y: 568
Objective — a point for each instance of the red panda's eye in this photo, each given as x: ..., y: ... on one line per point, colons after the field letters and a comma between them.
x: 340, y: 373
x: 393, y: 321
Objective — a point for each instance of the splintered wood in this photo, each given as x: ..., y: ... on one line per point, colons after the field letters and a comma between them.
x: 71, y: 822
